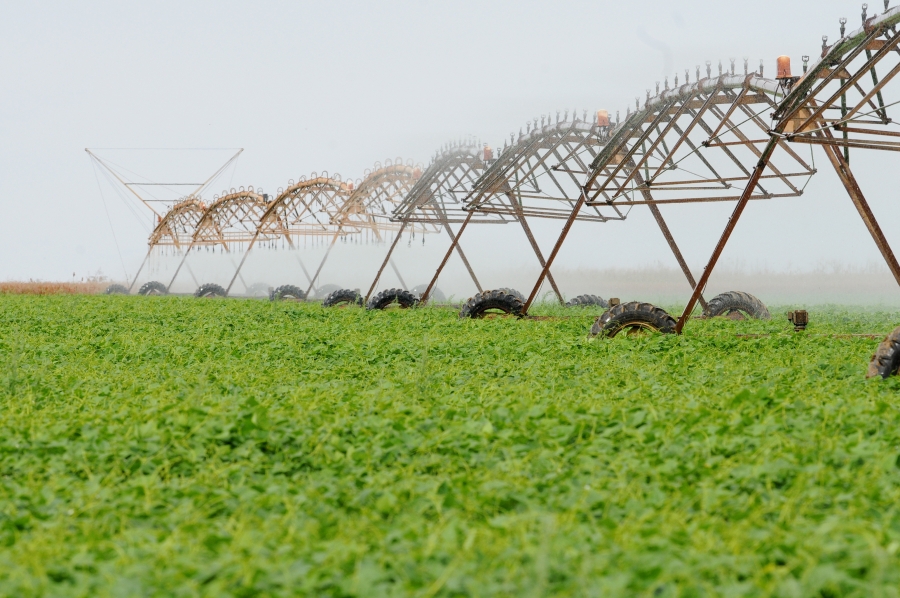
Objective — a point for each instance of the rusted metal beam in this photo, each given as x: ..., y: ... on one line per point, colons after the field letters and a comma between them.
x: 726, y: 234
x: 841, y: 74
x: 547, y: 214
x: 322, y: 263
x: 243, y: 259
x: 782, y: 145
x: 752, y: 147
x: 660, y: 137
x: 742, y: 142
x: 246, y: 286
x: 883, y: 110
x: 180, y: 264
x: 540, y: 257
x: 704, y: 199
x: 727, y: 117
x: 685, y: 135
x: 520, y: 216
x: 859, y: 201
x: 385, y: 262
x: 559, y: 242
x: 134, y: 280
x: 875, y: 91
x: 427, y: 293
x: 664, y: 228
x: 887, y: 146
x: 678, y: 184
x: 629, y: 154
x: 864, y: 131
x: 462, y: 256
x: 881, y: 53
x: 442, y: 216
x: 737, y: 161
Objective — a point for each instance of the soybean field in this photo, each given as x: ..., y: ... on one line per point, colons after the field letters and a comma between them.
x: 170, y: 446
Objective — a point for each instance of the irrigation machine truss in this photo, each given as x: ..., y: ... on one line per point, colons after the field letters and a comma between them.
x: 728, y: 136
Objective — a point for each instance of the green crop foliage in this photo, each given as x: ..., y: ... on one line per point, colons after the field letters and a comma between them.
x: 167, y: 446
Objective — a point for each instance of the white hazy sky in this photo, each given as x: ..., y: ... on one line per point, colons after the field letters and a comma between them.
x: 335, y: 86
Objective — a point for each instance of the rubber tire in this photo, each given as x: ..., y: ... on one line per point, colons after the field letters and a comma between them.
x: 385, y: 298
x: 514, y: 293
x: 287, y: 292
x: 209, y: 290
x: 509, y: 303
x: 886, y: 359
x: 633, y: 314
x: 153, y: 288
x: 437, y: 296
x: 116, y: 289
x: 736, y: 301
x: 343, y: 298
x: 587, y: 301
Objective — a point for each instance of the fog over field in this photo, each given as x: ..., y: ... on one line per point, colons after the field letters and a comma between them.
x: 659, y: 282
x: 827, y: 285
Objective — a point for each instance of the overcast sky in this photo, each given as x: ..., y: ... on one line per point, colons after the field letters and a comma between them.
x: 312, y: 86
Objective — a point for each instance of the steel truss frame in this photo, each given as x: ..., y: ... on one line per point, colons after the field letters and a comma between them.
x: 536, y: 175
x: 371, y: 204
x: 437, y: 199
x: 327, y: 206
x: 231, y: 219
x: 841, y: 89
x: 689, y: 144
x: 177, y: 226
x: 305, y: 209
x: 322, y: 205
x: 696, y: 143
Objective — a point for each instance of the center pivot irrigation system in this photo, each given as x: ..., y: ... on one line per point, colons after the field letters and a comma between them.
x: 728, y: 136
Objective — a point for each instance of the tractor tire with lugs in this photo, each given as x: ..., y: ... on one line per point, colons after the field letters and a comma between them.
x: 736, y: 305
x: 587, y: 301
x: 386, y: 298
x: 287, y: 292
x: 209, y: 290
x: 343, y: 298
x: 116, y: 289
x: 514, y: 293
x: 633, y: 316
x: 153, y: 288
x: 477, y: 306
